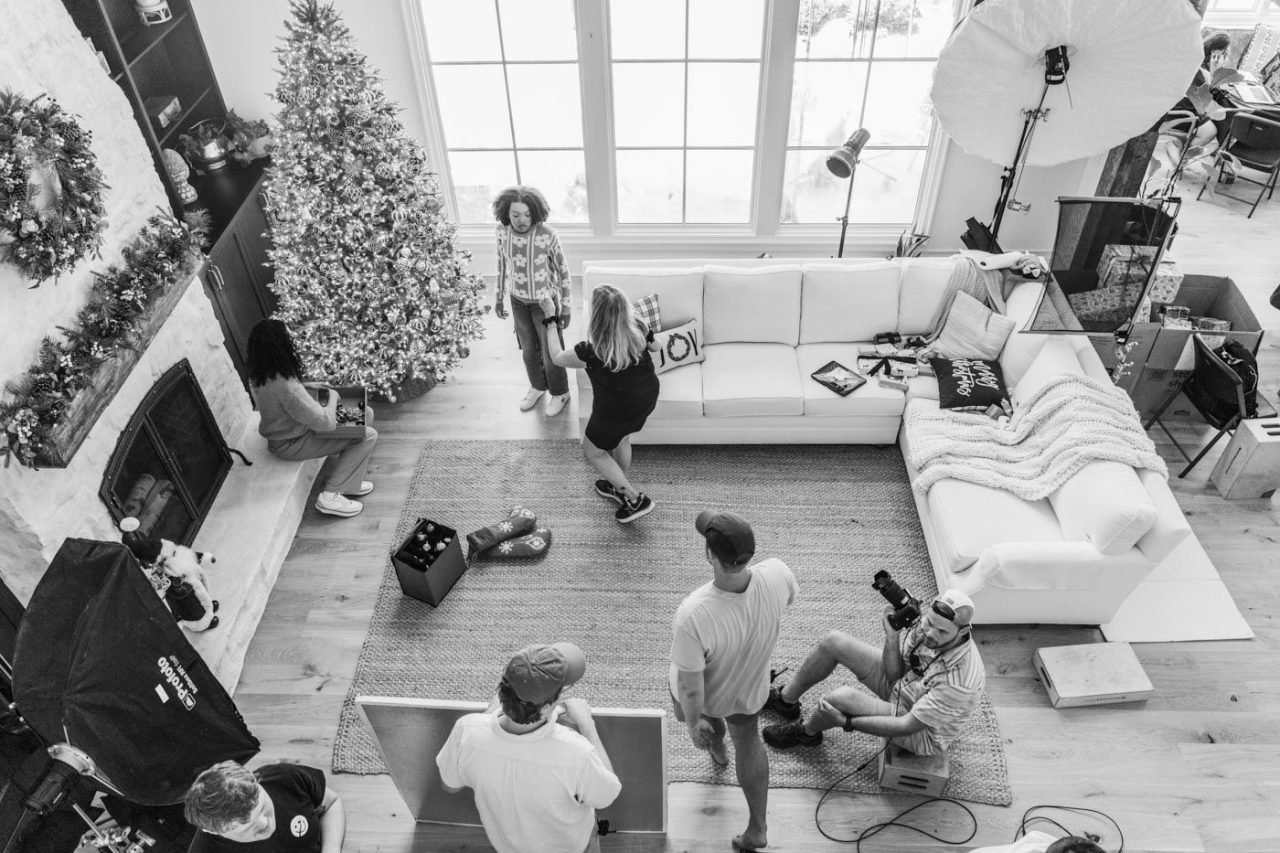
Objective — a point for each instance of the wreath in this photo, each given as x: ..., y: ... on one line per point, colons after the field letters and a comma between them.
x: 36, y: 138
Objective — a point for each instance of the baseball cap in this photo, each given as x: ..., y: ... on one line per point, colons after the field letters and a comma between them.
x: 733, y: 528
x: 538, y: 672
x: 961, y: 605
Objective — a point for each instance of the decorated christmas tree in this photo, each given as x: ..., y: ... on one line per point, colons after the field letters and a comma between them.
x: 369, y: 280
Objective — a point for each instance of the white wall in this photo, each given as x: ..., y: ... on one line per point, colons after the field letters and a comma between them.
x: 242, y: 36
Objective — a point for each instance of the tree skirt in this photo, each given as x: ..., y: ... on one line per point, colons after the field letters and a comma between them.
x: 834, y: 514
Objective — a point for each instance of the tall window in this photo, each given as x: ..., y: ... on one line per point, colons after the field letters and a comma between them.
x: 684, y: 112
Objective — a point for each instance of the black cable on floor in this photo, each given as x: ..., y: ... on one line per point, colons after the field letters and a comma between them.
x: 1027, y: 818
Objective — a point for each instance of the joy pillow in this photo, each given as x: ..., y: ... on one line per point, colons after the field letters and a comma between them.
x: 679, y: 346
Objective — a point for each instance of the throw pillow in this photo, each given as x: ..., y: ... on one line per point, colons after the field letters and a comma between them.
x: 972, y: 330
x: 971, y: 385
x: 646, y: 308
x: 679, y: 346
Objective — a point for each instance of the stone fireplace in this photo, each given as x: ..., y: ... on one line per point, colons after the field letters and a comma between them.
x: 254, y: 514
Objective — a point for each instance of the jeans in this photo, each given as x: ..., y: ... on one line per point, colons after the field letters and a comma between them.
x: 544, y: 374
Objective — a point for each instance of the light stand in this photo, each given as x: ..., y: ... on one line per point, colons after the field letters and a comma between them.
x: 843, y: 162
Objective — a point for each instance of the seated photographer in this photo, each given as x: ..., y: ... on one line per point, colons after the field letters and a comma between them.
x: 928, y: 680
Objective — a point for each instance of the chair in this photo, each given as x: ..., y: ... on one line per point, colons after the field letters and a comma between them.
x: 1254, y: 143
x: 1214, y: 389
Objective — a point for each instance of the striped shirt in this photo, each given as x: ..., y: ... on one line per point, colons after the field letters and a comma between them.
x: 532, y: 265
x: 944, y: 697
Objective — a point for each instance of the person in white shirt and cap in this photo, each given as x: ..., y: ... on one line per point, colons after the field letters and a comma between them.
x: 537, y: 783
x: 927, y: 681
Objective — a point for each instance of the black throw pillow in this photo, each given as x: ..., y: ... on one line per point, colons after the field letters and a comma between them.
x: 971, y: 385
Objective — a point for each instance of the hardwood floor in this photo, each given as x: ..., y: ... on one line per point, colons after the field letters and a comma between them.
x: 1196, y: 768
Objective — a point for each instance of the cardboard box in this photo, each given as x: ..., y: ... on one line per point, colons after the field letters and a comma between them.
x: 351, y: 397
x: 426, y: 570
x: 1091, y: 674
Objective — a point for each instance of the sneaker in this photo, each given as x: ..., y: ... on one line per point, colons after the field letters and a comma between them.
x: 605, y: 489
x: 781, y: 707
x: 333, y: 504
x: 365, y: 488
x: 556, y: 404
x: 531, y: 398
x: 631, y: 510
x: 788, y: 735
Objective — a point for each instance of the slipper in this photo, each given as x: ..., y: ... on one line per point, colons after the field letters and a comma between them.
x: 742, y: 848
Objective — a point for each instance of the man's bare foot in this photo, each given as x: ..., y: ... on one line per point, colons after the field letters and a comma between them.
x: 719, y: 755
x: 748, y: 842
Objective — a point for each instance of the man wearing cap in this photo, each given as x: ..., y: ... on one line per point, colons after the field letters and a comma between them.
x: 927, y: 682
x: 537, y: 784
x: 724, y: 634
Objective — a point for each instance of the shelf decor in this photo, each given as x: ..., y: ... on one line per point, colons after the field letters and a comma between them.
x: 152, y: 12
x: 51, y: 208
x: 53, y: 406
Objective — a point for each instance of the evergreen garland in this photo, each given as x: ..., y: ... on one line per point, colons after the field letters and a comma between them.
x: 44, y: 244
x: 369, y: 281
x: 164, y: 252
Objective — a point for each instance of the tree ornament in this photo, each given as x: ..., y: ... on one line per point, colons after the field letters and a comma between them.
x: 50, y: 230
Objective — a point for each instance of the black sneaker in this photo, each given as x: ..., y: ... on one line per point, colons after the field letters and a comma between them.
x: 788, y: 735
x: 605, y: 489
x: 631, y: 510
x: 781, y: 707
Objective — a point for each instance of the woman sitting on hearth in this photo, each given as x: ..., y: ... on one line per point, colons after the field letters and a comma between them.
x: 291, y: 418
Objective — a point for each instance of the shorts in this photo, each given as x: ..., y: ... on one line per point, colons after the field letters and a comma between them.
x: 607, y: 435
x: 732, y: 719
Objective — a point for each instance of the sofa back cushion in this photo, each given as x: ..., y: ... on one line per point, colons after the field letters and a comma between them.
x: 1105, y: 505
x: 846, y: 302
x: 752, y: 305
x: 1055, y: 357
x: 1022, y: 347
x: 924, y: 283
x: 679, y: 290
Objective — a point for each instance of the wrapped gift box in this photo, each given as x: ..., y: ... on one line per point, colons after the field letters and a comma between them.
x: 351, y: 398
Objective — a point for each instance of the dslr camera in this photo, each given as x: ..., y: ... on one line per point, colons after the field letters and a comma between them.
x: 906, y: 607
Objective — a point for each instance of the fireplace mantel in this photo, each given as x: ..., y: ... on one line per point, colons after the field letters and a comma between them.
x: 92, y: 401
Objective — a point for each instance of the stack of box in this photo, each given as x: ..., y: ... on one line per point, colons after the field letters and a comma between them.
x: 1122, y: 274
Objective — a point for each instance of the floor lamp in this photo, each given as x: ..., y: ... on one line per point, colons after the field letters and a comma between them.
x: 842, y: 163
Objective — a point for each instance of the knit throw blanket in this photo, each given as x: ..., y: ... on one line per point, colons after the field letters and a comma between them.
x: 986, y: 286
x: 1072, y: 421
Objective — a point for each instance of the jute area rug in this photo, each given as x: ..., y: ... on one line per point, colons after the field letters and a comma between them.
x: 835, y: 515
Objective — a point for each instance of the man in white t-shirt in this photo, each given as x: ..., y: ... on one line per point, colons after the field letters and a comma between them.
x: 1040, y: 842
x: 724, y: 634
x: 537, y: 784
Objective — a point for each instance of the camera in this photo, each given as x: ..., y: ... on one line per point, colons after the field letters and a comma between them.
x: 887, y: 338
x: 906, y: 608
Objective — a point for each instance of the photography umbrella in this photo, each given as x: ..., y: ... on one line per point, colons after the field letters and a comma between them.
x: 101, y: 664
x: 1091, y: 73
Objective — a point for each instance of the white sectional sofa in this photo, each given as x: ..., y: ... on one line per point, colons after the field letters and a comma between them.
x: 1070, y: 558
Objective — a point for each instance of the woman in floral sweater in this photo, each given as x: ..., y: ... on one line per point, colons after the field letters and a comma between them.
x: 531, y: 265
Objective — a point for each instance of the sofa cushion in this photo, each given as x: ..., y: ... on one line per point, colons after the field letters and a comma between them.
x: 1106, y: 505
x: 924, y: 283
x: 850, y: 302
x: 680, y: 394
x: 1022, y: 347
x: 678, y: 347
x: 967, y: 519
x: 679, y: 291
x: 972, y: 330
x: 751, y: 379
x: 819, y: 401
x: 759, y: 305
x: 1055, y: 357
x: 971, y: 385
x: 649, y: 312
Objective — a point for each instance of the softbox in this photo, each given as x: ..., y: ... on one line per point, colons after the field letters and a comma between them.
x: 101, y: 664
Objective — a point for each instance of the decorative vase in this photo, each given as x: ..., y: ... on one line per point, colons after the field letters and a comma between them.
x: 153, y: 12
x: 210, y: 154
x: 178, y: 171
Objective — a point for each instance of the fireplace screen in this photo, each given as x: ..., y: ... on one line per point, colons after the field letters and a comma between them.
x: 169, y: 462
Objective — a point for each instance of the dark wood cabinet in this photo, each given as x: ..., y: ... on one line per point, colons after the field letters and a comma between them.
x: 157, y: 64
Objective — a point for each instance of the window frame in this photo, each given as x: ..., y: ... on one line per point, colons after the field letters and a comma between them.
x: 1263, y: 12
x: 602, y: 236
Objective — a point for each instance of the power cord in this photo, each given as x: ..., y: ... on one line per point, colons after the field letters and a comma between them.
x: 1028, y: 818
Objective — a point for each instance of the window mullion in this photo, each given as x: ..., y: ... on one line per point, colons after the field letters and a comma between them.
x: 774, y: 124
x: 597, y: 116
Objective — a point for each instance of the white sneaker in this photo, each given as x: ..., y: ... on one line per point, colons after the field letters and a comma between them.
x: 334, y: 504
x: 555, y: 405
x: 365, y: 488
x: 531, y: 398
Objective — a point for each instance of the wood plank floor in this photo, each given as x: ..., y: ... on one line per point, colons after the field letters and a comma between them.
x: 1197, y: 768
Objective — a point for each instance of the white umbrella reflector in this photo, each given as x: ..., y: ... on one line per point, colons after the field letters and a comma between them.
x: 1131, y: 60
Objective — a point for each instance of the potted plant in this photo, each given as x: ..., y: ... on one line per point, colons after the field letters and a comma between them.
x: 251, y: 139
x: 1177, y: 150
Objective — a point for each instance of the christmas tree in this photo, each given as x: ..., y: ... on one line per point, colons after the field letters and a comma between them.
x: 369, y: 280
